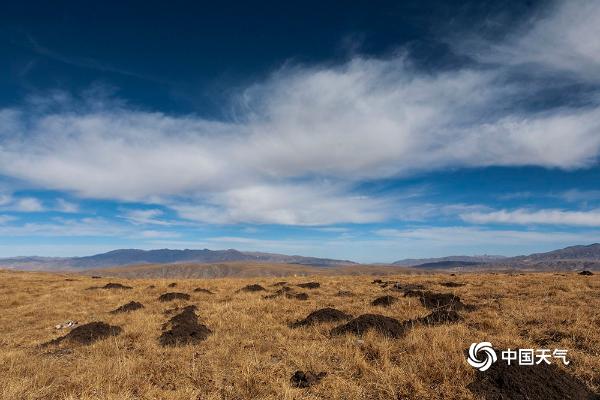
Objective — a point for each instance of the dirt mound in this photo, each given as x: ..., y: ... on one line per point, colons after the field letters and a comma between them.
x: 170, y: 311
x: 384, y: 301
x: 385, y: 325
x: 586, y: 273
x: 282, y: 283
x: 452, y: 284
x: 170, y: 296
x: 542, y: 381
x: 297, y: 296
x: 323, y: 315
x: 151, y: 287
x: 96, y: 277
x: 173, y: 284
x: 89, y: 333
x: 252, y: 288
x: 131, y: 306
x: 440, y: 316
x: 184, y: 329
x: 309, y: 285
x: 202, y: 290
x: 112, y: 285
x: 439, y: 300
x: 301, y: 379
x: 344, y: 293
x: 287, y: 292
x: 408, y: 286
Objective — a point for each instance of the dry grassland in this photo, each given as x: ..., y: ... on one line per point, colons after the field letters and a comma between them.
x: 252, y: 352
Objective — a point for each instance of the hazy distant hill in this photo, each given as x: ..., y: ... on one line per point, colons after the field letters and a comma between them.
x: 589, y: 252
x: 125, y: 257
x: 464, y: 259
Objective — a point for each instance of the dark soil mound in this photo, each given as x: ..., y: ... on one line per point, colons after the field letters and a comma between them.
x: 131, y: 306
x: 151, y: 287
x: 202, y: 290
x: 385, y: 325
x: 89, y: 333
x: 384, y: 301
x: 96, y: 277
x: 452, y: 284
x: 184, y: 329
x: 287, y: 292
x: 170, y: 296
x: 172, y: 284
x: 297, y: 296
x: 177, y: 309
x: 284, y: 290
x: 408, y: 286
x: 344, y: 293
x: 302, y: 379
x: 323, y: 315
x: 115, y: 286
x: 252, y: 288
x: 439, y: 300
x: 377, y: 282
x: 542, y: 381
x: 309, y: 285
x: 282, y: 283
x: 586, y: 273
x: 413, y: 293
x: 440, y: 316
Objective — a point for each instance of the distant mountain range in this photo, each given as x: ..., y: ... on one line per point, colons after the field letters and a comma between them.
x: 450, y: 260
x: 569, y: 258
x: 125, y: 257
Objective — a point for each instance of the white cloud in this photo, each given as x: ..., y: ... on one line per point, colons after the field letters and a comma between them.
x: 146, y: 217
x: 6, y: 218
x: 461, y: 236
x: 362, y: 120
x: 286, y: 205
x: 66, y: 207
x: 564, y: 37
x: 525, y: 217
x: 28, y: 204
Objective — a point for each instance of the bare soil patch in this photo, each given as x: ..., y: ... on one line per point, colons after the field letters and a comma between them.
x: 387, y: 326
x: 252, y: 288
x: 327, y: 314
x: 309, y: 285
x: 184, y: 329
x: 170, y: 296
x: 384, y: 301
x: 171, y: 285
x: 131, y: 306
x: 433, y: 300
x: 301, y: 379
x: 202, y: 290
x: 586, y: 273
x: 452, y: 284
x: 515, y: 382
x: 88, y: 333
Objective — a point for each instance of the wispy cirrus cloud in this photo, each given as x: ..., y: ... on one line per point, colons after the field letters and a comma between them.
x: 590, y: 218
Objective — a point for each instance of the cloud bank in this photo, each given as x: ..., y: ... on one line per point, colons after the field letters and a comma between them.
x: 298, y: 143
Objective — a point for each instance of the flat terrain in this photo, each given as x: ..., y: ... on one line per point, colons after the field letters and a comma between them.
x: 250, y: 350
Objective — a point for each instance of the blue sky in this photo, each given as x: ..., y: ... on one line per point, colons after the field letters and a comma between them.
x: 367, y: 133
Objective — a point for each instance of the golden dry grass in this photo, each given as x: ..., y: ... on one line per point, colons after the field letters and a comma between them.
x: 252, y: 351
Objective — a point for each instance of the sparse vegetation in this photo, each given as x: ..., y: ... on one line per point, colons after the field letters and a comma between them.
x: 239, y: 345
